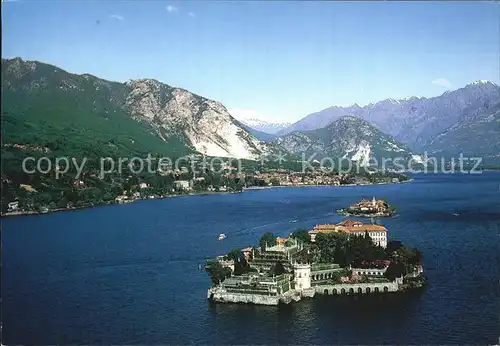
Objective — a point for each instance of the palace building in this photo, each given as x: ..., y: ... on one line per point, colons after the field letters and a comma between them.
x: 378, y: 233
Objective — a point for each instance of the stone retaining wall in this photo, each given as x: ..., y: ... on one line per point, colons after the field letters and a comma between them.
x: 357, y: 288
x: 223, y: 296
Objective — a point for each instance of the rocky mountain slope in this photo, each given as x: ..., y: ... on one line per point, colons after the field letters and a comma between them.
x: 321, y: 119
x: 206, y: 124
x: 139, y: 116
x: 414, y: 121
x: 348, y: 137
x: 476, y: 136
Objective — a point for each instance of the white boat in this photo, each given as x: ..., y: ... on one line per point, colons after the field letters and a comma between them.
x: 222, y: 236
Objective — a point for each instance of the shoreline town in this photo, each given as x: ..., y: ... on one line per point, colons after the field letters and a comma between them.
x: 190, y: 187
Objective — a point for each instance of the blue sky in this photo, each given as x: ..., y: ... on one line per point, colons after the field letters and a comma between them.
x: 274, y: 60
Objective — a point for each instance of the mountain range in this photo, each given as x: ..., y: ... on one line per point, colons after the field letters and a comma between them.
x: 43, y: 105
x: 417, y: 121
x: 478, y: 135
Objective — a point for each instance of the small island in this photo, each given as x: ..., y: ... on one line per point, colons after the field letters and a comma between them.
x: 347, y: 258
x: 365, y: 208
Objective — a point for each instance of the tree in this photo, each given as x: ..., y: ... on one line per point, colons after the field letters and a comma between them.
x: 394, y: 271
x: 302, y: 235
x: 326, y: 243
x: 277, y: 269
x: 240, y: 263
x: 235, y: 255
x: 217, y: 272
x: 268, y: 239
x: 392, y: 246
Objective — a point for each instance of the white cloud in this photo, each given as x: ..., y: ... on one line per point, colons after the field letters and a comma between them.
x: 442, y: 83
x: 191, y: 14
x: 171, y: 8
x: 117, y: 17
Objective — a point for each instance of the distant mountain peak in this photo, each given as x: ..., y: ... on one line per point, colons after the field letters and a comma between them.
x: 348, y: 137
x: 411, y: 98
x: 255, y: 121
x: 389, y: 101
x: 482, y: 81
x: 269, y: 127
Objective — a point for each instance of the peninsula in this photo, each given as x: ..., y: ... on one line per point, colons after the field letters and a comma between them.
x: 366, y: 208
x: 347, y: 258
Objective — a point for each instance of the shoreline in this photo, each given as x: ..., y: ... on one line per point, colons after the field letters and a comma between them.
x: 33, y: 212
x: 344, y: 185
x: 204, y: 193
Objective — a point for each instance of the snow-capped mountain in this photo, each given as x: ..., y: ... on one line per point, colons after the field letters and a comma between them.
x: 264, y: 126
x: 415, y: 121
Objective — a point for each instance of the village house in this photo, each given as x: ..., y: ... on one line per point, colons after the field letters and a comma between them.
x: 78, y: 183
x: 183, y: 185
x: 13, y: 206
x: 121, y: 199
x: 377, y: 233
x: 26, y: 187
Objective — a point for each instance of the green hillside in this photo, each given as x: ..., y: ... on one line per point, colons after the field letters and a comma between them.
x: 74, y: 115
x: 53, y: 113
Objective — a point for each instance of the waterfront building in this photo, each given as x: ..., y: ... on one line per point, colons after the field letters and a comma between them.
x: 378, y: 233
x: 257, y: 284
x: 302, y: 276
x: 121, y: 199
x: 183, y: 185
x: 371, y: 272
x: 13, y: 206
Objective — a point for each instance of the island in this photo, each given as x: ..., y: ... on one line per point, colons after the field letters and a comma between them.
x: 347, y: 258
x: 366, y: 208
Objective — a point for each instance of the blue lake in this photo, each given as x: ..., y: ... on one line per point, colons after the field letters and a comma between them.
x: 129, y: 274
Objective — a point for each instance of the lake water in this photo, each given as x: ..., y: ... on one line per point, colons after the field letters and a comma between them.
x: 129, y: 274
